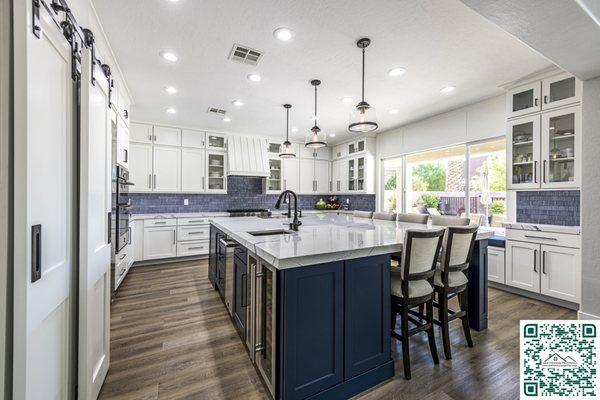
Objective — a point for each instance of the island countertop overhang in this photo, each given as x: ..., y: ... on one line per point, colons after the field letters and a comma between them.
x: 321, y: 238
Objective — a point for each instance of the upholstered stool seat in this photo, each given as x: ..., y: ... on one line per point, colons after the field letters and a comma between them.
x: 455, y: 279
x: 416, y: 289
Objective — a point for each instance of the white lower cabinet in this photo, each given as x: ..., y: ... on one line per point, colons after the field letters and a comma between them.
x: 496, y: 264
x: 137, y: 241
x: 160, y: 242
x: 561, y: 272
x: 551, y: 270
x: 123, y: 261
x: 193, y: 248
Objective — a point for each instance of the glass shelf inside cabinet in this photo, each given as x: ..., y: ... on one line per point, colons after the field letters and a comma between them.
x: 562, y: 148
x: 522, y: 152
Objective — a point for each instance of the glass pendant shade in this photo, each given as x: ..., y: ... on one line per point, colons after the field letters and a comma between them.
x: 363, y: 119
x: 315, y: 138
x: 286, y: 151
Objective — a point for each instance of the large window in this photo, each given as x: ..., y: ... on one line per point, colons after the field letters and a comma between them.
x: 466, y: 180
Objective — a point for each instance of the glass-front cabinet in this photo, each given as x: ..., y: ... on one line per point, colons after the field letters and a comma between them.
x: 356, y: 147
x: 524, y: 99
x: 216, y: 141
x: 351, y: 175
x: 561, y: 148
x: 523, y: 153
x: 216, y: 172
x: 560, y: 90
x: 275, y: 175
x: 273, y: 147
x: 356, y: 174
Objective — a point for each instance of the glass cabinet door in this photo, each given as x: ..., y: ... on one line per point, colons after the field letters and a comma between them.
x: 274, y: 180
x: 523, y: 153
x: 561, y: 138
x: 360, y: 175
x: 216, y: 141
x: 360, y: 146
x: 351, y: 175
x: 273, y: 147
x: 351, y: 148
x: 216, y: 172
x: 560, y: 90
x: 524, y: 100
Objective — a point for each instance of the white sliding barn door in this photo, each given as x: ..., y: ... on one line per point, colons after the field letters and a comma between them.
x: 94, y: 230
x: 44, y: 210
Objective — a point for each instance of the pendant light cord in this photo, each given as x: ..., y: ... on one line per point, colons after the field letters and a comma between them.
x: 363, y: 74
x: 287, y: 124
x: 316, y: 118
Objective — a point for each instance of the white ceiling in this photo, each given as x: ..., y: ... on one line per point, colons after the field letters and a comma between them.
x: 439, y: 42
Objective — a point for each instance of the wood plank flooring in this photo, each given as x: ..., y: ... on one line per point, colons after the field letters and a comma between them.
x: 171, y: 338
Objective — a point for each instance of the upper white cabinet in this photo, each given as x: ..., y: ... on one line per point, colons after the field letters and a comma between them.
x: 216, y: 167
x: 122, y: 143
x: 195, y: 139
x: 523, y: 153
x: 167, y: 136
x: 167, y: 169
x: 216, y: 141
x: 141, y: 133
x: 524, y: 99
x: 192, y: 170
x: 355, y: 147
x: 339, y: 176
x: 322, y: 153
x: 322, y: 182
x: 273, y: 147
x: 339, y: 151
x: 140, y: 167
x: 561, y: 148
x: 291, y: 174
x: 560, y: 90
x: 552, y: 92
x: 314, y: 176
x: 275, y: 178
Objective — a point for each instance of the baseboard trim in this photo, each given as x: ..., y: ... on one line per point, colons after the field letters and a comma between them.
x: 585, y: 316
x: 535, y: 296
x: 148, y: 263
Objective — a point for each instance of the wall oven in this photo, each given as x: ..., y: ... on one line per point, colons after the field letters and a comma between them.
x: 122, y: 209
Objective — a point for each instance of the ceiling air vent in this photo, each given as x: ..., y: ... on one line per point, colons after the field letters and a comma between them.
x: 245, y: 54
x: 216, y: 111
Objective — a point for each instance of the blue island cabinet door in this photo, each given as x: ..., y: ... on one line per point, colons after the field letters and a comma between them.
x: 367, y: 314
x: 313, y: 326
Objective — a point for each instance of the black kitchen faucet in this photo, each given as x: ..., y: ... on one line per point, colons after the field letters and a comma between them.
x: 286, y: 194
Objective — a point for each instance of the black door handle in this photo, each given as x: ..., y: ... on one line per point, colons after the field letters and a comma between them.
x: 36, y: 252
x: 244, y: 290
x: 109, y: 241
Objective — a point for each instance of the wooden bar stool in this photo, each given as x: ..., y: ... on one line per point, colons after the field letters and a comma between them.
x: 411, y: 286
x: 450, y: 280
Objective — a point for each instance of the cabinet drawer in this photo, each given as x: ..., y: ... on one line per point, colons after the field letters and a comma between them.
x: 123, y: 261
x: 192, y: 221
x: 192, y: 248
x: 160, y: 222
x: 556, y: 239
x: 185, y: 233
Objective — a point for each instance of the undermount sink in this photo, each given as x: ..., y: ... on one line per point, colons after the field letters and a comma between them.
x: 270, y: 232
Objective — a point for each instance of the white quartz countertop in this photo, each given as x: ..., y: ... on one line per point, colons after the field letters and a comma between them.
x: 321, y: 238
x: 573, y: 230
x: 226, y: 214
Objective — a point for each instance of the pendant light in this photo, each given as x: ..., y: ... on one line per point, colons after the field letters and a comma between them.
x: 286, y: 151
x: 315, y: 138
x: 363, y: 118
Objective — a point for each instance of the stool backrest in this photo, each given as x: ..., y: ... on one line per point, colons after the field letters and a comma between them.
x: 457, y: 249
x: 362, y: 214
x: 449, y: 220
x: 419, y: 255
x: 384, y: 215
x: 413, y: 218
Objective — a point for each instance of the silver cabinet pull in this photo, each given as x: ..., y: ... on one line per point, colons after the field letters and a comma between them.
x: 196, y: 248
x: 196, y: 233
x: 544, y: 262
x: 535, y: 171
x: 154, y: 181
x: 544, y: 172
x: 174, y: 237
x: 540, y: 237
x: 203, y: 182
x: 198, y: 221
x: 149, y: 181
x: 160, y: 222
x: 535, y: 261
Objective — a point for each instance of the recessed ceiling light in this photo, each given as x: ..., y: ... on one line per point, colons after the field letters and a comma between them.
x: 170, y: 90
x: 332, y: 135
x: 393, y: 111
x: 167, y: 55
x: 447, y: 89
x: 254, y: 77
x: 238, y: 103
x: 398, y: 71
x: 283, y: 34
x: 227, y: 119
x: 346, y: 99
x: 171, y: 110
x: 294, y: 129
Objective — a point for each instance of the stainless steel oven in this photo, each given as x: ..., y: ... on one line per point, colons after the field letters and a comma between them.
x: 122, y: 209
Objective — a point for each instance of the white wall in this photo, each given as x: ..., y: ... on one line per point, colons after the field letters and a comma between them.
x: 590, y: 199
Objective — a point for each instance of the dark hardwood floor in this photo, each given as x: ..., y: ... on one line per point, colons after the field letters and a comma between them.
x: 171, y: 338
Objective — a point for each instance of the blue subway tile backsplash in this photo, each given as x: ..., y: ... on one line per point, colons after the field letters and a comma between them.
x: 553, y: 207
x: 242, y: 193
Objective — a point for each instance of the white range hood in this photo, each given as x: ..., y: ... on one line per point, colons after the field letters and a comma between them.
x: 247, y: 156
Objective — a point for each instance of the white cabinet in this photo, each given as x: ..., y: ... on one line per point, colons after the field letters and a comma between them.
x: 192, y: 170
x: 561, y: 148
x: 291, y: 174
x: 160, y: 242
x: 339, y: 176
x: 123, y: 261
x: 322, y: 183
x: 523, y: 265
x: 273, y: 147
x: 307, y: 176
x: 187, y: 249
x: 560, y: 90
x: 195, y: 139
x: 167, y: 136
x: 140, y: 167
x: 322, y: 153
x: 523, y: 153
x: 122, y: 144
x: 216, y: 141
x: 496, y: 264
x: 275, y: 178
x: 216, y: 167
x: 141, y: 133
x: 167, y: 169
x: 358, y: 146
x: 524, y: 99
x: 137, y: 241
x: 561, y: 273
x: 339, y: 151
